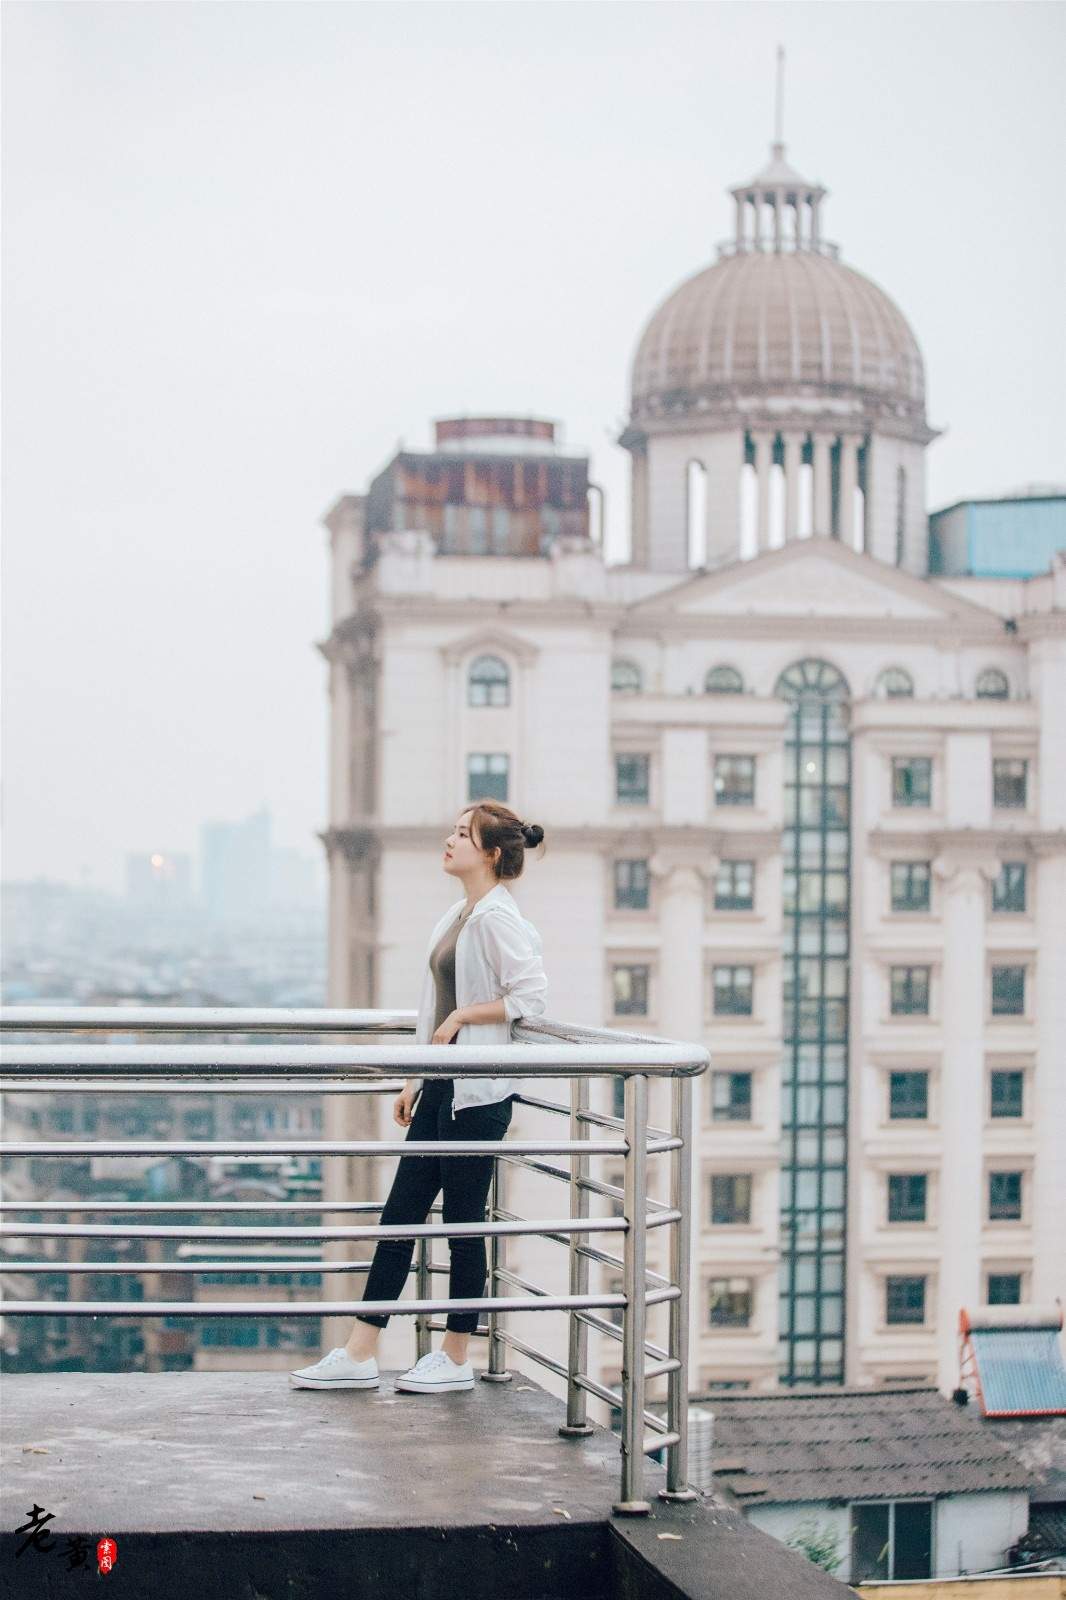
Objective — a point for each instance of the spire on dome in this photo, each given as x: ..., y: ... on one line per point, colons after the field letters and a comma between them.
x: 794, y: 221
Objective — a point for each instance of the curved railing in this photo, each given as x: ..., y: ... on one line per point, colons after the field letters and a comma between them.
x: 542, y: 1049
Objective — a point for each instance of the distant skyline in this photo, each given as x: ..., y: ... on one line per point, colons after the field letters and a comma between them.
x: 250, y: 247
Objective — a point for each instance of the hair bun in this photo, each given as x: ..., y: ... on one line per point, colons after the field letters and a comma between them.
x: 532, y: 833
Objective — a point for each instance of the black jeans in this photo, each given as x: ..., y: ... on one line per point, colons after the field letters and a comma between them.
x: 418, y: 1181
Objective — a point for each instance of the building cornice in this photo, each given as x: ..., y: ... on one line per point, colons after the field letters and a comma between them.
x: 1041, y: 625
x: 969, y: 842
x: 489, y: 639
x: 364, y: 838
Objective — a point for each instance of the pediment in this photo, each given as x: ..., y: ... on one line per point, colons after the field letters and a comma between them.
x: 814, y: 578
x: 490, y: 641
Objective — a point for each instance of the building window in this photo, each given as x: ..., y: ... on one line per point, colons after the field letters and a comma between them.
x: 1009, y: 783
x: 631, y: 885
x: 486, y: 777
x: 478, y: 526
x: 894, y: 684
x: 1004, y: 1289
x: 901, y: 513
x: 630, y: 989
x: 816, y: 856
x: 631, y: 780
x: 904, y: 1300
x: 625, y: 677
x: 910, y: 991
x: 906, y: 1196
x: 501, y: 530
x: 723, y: 680
x: 488, y: 682
x: 910, y: 885
x: 731, y: 1096
x: 730, y: 1198
x: 1008, y: 991
x: 734, y: 780
x: 912, y: 780
x: 1009, y: 887
x: 734, y: 886
x: 1007, y: 1090
x: 992, y: 684
x: 616, y: 1313
x: 1004, y: 1196
x: 242, y: 1333
x: 908, y: 1096
x: 732, y: 991
x: 891, y: 1540
x: 729, y: 1302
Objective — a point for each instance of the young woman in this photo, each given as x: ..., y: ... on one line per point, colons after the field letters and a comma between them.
x: 483, y: 970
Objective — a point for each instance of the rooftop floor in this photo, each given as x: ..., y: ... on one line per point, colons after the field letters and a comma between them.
x: 236, y: 1484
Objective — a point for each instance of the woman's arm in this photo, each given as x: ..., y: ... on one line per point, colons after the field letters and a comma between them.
x: 486, y: 1011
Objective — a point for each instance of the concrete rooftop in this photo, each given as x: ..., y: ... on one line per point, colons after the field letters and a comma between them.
x: 234, y: 1484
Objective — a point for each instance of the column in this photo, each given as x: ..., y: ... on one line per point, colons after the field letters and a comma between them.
x: 816, y: 221
x: 740, y: 222
x: 681, y: 874
x: 1047, y: 672
x: 638, y: 470
x: 1047, y: 1090
x: 793, y: 443
x: 756, y: 235
x: 964, y: 880
x: 764, y: 458
x: 823, y: 485
x: 723, y: 455
x: 777, y: 221
x: 849, y: 482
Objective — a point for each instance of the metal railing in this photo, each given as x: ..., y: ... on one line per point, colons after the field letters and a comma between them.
x: 544, y: 1050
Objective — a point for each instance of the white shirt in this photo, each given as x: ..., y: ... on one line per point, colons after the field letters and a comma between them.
x: 497, y: 956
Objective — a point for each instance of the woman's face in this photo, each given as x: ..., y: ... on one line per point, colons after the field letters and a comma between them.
x: 461, y: 854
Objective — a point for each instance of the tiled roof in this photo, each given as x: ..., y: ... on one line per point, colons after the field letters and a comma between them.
x: 855, y: 1444
x: 1040, y: 1444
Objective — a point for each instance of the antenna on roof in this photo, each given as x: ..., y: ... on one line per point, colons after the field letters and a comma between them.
x: 779, y: 106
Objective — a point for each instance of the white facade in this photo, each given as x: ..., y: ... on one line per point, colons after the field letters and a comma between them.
x: 935, y: 1176
x: 971, y: 1532
x: 428, y: 617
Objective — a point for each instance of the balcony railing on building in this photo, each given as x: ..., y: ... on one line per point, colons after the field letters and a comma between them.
x: 542, y: 1050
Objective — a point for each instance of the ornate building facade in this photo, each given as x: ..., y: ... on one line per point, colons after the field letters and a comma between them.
x: 802, y: 801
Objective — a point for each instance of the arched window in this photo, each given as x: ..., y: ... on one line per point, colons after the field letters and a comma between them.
x: 488, y: 682
x: 811, y: 680
x: 894, y: 684
x: 992, y: 684
x: 723, y: 680
x: 625, y: 677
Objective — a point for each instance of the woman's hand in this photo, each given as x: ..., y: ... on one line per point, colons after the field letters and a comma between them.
x: 448, y: 1028
x: 404, y: 1104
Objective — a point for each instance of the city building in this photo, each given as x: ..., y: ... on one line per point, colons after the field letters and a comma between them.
x: 804, y: 800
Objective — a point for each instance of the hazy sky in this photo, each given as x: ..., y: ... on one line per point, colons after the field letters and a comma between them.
x: 250, y: 246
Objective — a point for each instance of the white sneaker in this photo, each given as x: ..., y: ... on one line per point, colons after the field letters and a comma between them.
x: 337, y: 1370
x: 436, y: 1374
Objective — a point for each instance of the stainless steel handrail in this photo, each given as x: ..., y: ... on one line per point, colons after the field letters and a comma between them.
x: 541, y: 1048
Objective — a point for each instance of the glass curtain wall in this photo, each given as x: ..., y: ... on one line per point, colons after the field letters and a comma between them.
x: 816, y: 850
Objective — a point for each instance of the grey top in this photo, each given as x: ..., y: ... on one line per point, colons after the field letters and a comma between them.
x: 442, y: 966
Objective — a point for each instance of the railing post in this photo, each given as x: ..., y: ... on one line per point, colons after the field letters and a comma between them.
x: 677, y: 1485
x: 497, y: 1368
x: 577, y: 1424
x: 423, y: 1283
x: 635, y: 1284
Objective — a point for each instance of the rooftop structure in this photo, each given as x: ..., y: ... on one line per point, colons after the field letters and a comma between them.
x: 1010, y: 536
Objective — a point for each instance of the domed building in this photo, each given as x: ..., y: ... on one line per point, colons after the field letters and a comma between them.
x: 804, y: 800
x: 781, y: 365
